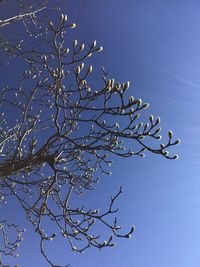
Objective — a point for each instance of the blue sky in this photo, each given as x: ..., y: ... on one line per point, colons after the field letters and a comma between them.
x: 154, y: 45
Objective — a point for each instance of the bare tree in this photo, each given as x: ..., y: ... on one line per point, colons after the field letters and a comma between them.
x: 62, y: 138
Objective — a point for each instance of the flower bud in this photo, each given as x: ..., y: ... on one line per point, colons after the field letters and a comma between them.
x: 51, y: 24
x: 170, y: 134
x: 141, y: 137
x: 131, y: 99
x: 126, y: 85
x: 65, y: 18
x: 82, y: 47
x: 140, y: 124
x: 89, y: 54
x: 151, y: 118
x: 108, y: 89
x: 158, y: 120
x: 162, y: 146
x: 78, y: 70
x: 177, y: 142
x: 72, y: 26
x: 146, y: 105
x: 159, y: 137
x: 136, y: 116
x: 94, y: 43
x: 89, y: 69
x: 66, y: 51
x: 62, y: 19
x: 166, y: 153
x: 75, y: 43
x: 82, y: 65
x: 139, y: 101
x: 100, y: 49
x: 108, y: 83
x: 157, y: 131
x: 146, y: 126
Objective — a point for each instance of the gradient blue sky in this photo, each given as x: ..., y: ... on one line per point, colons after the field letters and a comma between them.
x: 156, y: 46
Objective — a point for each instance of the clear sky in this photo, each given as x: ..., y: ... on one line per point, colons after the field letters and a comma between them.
x: 156, y: 46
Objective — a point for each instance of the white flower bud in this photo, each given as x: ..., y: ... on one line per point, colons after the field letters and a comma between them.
x: 146, y: 105
x: 66, y: 51
x: 82, y: 66
x: 166, y: 153
x: 51, y: 23
x: 62, y: 19
x: 108, y: 89
x: 75, y: 43
x: 65, y: 18
x: 72, y: 26
x: 78, y: 70
x: 100, y: 49
x: 82, y: 47
x: 94, y: 43
x: 89, y: 55
x: 89, y: 69
x: 126, y: 85
x: 159, y: 137
x: 131, y: 99
x: 96, y: 211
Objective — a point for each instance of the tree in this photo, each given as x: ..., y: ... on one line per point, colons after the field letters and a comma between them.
x: 63, y: 135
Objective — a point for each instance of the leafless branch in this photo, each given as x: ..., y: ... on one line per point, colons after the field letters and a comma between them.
x: 67, y: 129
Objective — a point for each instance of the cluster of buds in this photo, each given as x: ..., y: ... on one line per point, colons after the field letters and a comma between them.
x: 111, y: 86
x: 58, y: 73
x: 126, y: 85
x: 63, y: 20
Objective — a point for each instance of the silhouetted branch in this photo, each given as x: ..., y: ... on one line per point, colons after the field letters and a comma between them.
x: 62, y: 136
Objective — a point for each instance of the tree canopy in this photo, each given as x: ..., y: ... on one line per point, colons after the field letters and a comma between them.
x: 59, y: 131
